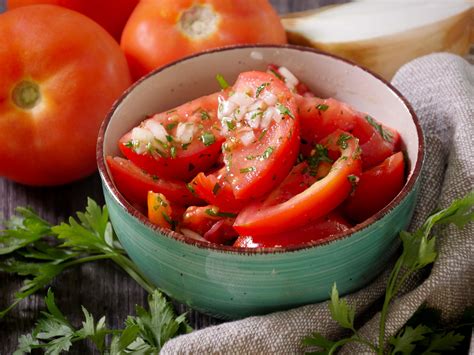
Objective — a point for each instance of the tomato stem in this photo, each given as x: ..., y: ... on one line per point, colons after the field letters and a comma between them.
x: 26, y: 94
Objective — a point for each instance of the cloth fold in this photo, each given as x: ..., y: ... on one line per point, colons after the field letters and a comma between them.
x: 440, y: 88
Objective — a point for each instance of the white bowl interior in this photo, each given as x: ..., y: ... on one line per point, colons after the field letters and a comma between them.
x: 325, y: 75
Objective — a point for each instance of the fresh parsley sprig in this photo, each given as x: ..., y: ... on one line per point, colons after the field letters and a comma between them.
x: 419, y: 250
x: 33, y: 248
x: 144, y: 333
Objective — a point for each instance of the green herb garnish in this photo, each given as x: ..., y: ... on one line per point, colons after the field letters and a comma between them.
x: 191, y: 188
x: 247, y: 170
x: 185, y: 146
x: 260, y: 89
x: 285, y: 110
x: 205, y: 115
x: 173, y: 152
x: 342, y: 140
x: 266, y: 154
x: 386, y: 135
x: 216, y: 188
x: 213, y: 213
x: 322, y: 107
x: 222, y: 82
x: 230, y: 125
x: 208, y: 138
x: 262, y: 134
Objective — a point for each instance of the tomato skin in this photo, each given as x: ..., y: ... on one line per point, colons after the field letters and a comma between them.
x: 316, y: 201
x: 216, y: 190
x: 197, y: 156
x: 376, y: 188
x: 134, y: 184
x: 221, y: 232
x: 99, y: 11
x: 159, y: 210
x: 325, y: 227
x: 153, y: 35
x: 71, y: 59
x: 320, y: 117
x: 282, y: 137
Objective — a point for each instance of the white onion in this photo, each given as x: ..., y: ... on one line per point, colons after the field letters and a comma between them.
x: 240, y: 112
x: 270, y: 114
x: 192, y: 234
x: 289, y: 77
x: 241, y: 99
x: 142, y: 135
x: 185, y: 132
x: 269, y: 98
x: 253, y: 118
x: 257, y: 105
x: 157, y: 129
x: 247, y: 137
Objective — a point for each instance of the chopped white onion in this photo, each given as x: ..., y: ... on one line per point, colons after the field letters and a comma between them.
x: 241, y: 99
x: 157, y: 129
x: 185, y: 132
x: 142, y: 135
x: 253, y: 118
x: 257, y: 105
x: 192, y: 234
x: 226, y: 108
x: 289, y: 77
x: 247, y: 136
x: 269, y: 98
x: 270, y: 114
x: 240, y: 112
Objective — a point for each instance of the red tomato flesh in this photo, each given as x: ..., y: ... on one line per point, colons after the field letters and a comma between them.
x: 322, y: 228
x: 179, y: 143
x: 262, y: 138
x: 316, y: 201
x: 376, y: 188
x: 134, y: 184
x: 320, y: 117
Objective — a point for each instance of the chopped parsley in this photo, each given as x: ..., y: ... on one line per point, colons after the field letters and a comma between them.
x: 260, y: 89
x: 129, y: 144
x: 171, y: 111
x: 160, y: 201
x: 191, y: 188
x: 185, y: 146
x: 214, y: 213
x: 169, y: 138
x: 250, y: 157
x: 266, y: 154
x: 247, y: 170
x: 386, y: 135
x: 154, y: 177
x: 255, y: 114
x: 285, y: 111
x: 277, y: 74
x: 318, y: 155
x: 342, y: 140
x: 322, y: 107
x: 216, y: 188
x: 260, y: 137
x: 169, y: 220
x: 230, y: 125
x: 171, y: 125
x: 222, y: 82
x: 353, y: 179
x: 204, y: 115
x: 208, y: 138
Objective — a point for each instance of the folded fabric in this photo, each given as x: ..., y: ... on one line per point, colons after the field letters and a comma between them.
x: 440, y: 88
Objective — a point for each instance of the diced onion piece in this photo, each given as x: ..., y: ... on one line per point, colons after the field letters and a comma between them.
x: 289, y: 77
x: 240, y: 112
x: 269, y: 98
x: 253, y: 118
x: 142, y: 135
x: 192, y: 234
x: 257, y: 105
x: 157, y: 129
x: 241, y: 99
x: 226, y: 108
x: 247, y: 136
x: 185, y: 132
x: 270, y: 114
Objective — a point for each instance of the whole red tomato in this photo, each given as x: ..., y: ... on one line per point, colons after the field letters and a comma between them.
x: 110, y: 14
x: 160, y: 31
x: 60, y: 72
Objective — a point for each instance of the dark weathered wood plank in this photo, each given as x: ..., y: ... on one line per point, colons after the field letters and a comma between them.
x: 101, y: 287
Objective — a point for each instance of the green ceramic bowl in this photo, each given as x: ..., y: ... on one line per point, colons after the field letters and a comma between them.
x: 230, y: 282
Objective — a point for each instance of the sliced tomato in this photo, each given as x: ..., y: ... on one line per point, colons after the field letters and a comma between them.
x: 376, y: 188
x: 319, y: 199
x: 159, y: 210
x: 177, y: 143
x: 134, y: 184
x: 262, y: 134
x: 215, y: 189
x: 320, y: 117
x: 209, y: 222
x: 322, y: 228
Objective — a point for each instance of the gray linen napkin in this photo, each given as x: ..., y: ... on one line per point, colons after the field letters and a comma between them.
x: 441, y: 89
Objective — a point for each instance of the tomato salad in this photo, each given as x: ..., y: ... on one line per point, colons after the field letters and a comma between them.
x: 262, y: 163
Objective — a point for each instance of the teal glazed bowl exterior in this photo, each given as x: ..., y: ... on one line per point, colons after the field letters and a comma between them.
x: 230, y: 282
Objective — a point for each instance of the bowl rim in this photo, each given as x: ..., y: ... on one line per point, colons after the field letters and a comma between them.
x: 120, y: 199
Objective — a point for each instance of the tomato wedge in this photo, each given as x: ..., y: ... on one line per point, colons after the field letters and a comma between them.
x: 159, y: 210
x: 320, y: 117
x: 216, y: 190
x: 322, y: 228
x: 260, y: 122
x: 316, y: 201
x: 178, y: 143
x: 376, y: 188
x: 134, y: 184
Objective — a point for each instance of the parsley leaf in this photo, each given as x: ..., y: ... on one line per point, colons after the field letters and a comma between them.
x: 260, y: 89
x: 222, y: 82
x: 386, y: 135
x: 404, y: 342
x: 341, y: 312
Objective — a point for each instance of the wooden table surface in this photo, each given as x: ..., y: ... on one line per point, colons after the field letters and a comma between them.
x: 101, y: 287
